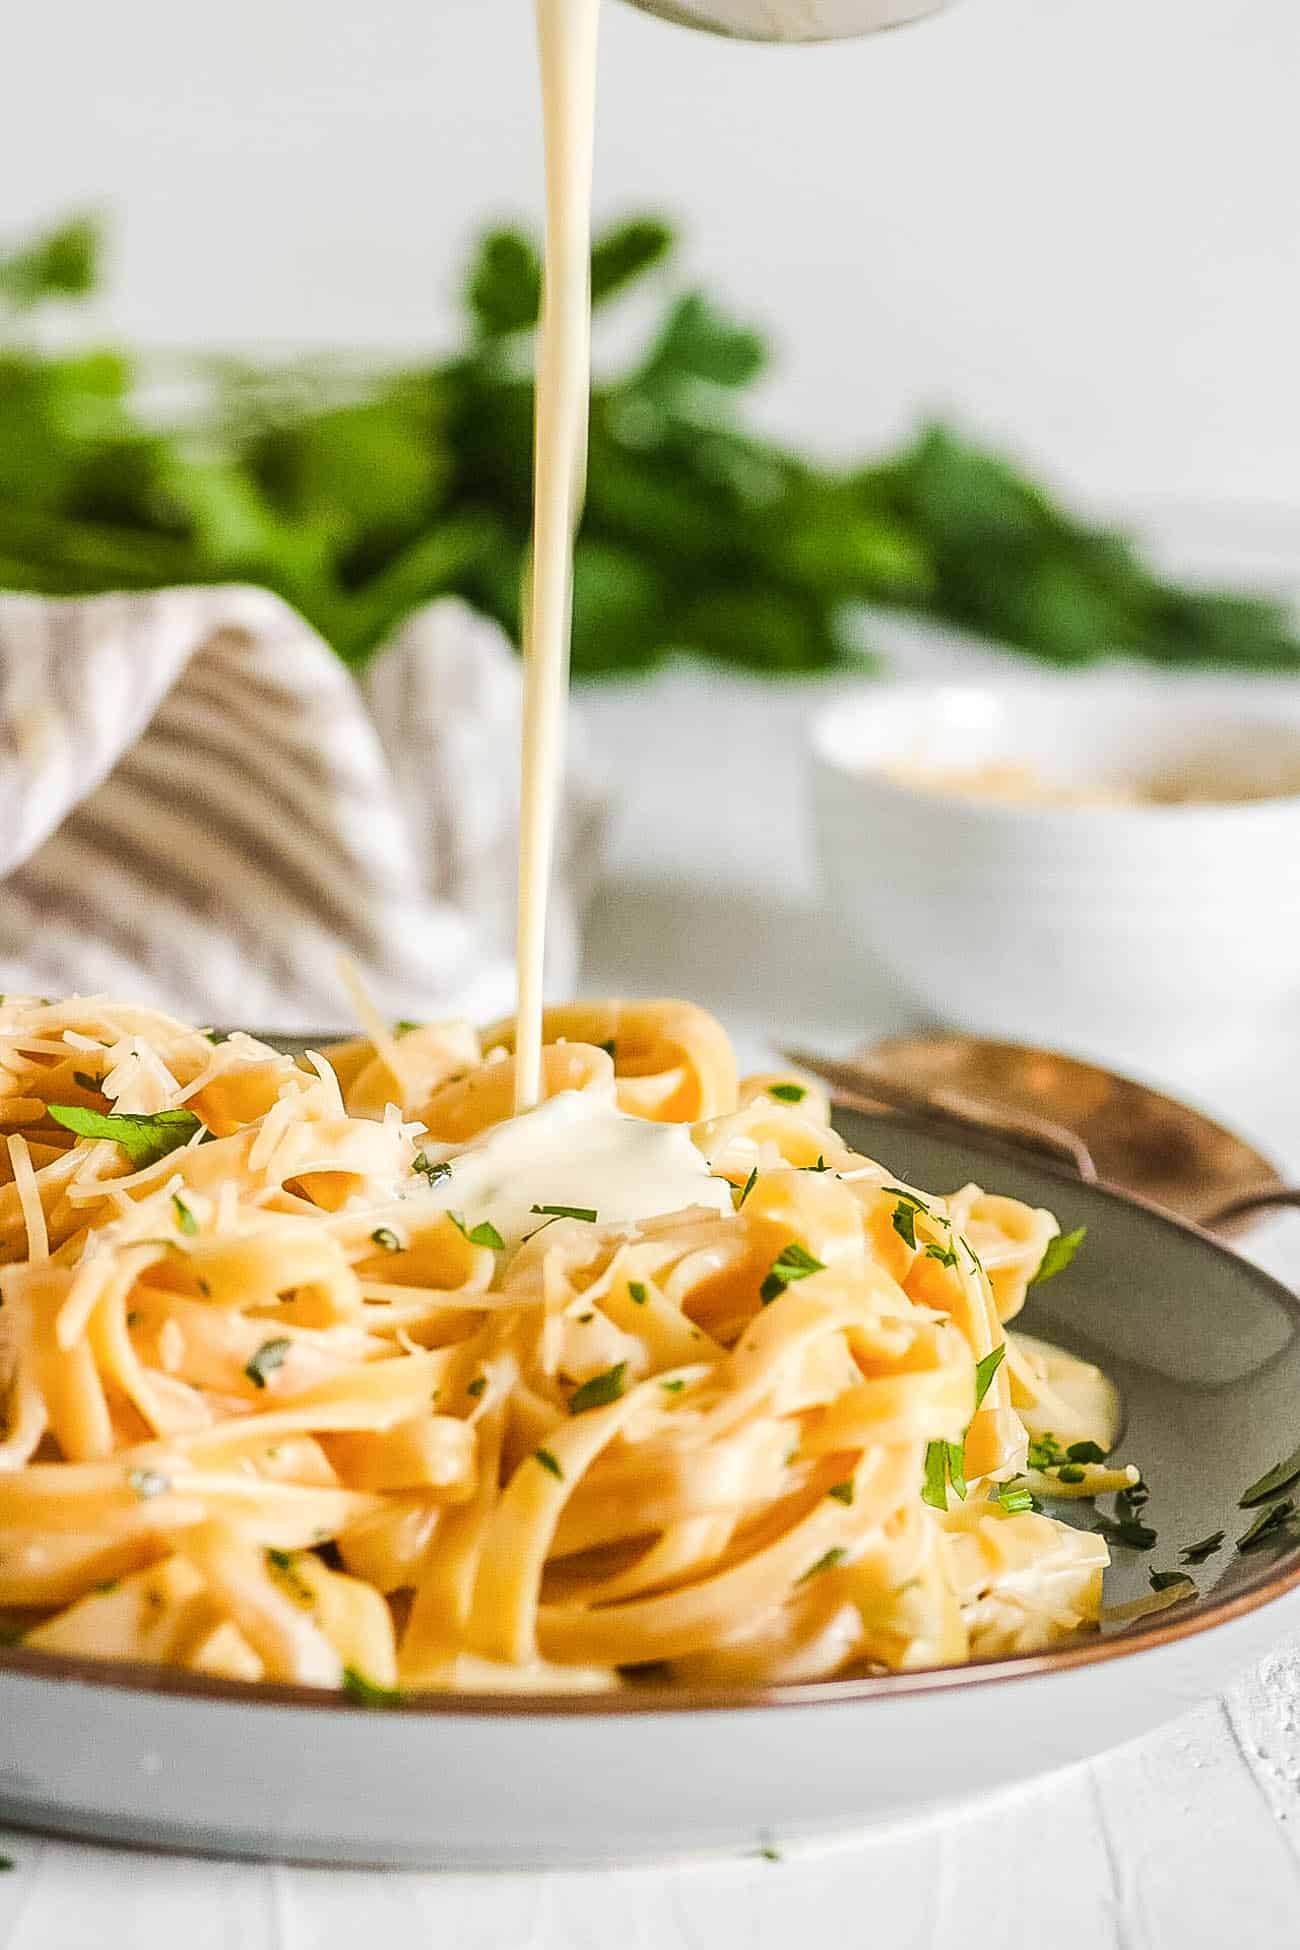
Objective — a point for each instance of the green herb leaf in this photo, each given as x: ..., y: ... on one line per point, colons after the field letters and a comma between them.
x: 673, y: 1387
x: 1016, y: 1499
x: 788, y: 1093
x: 403, y: 1026
x: 934, y: 1488
x: 386, y: 1239
x: 365, y: 1692
x: 1166, y: 1580
x: 747, y: 1188
x: 423, y: 1164
x: 821, y: 1165
x: 985, y: 1371
x: 1276, y: 1517
x: 1279, y: 1477
x: 1071, y: 1473
x: 600, y: 1390
x: 145, y: 1139
x: 1060, y: 1251
x: 269, y: 1356
x: 1127, y: 1531
x: 842, y: 1492
x: 585, y: 1212
x: 609, y: 1048
x: 1045, y: 1452
x: 826, y: 1562
x: 549, y: 1462
x: 636, y: 1292
x: 484, y: 1234
x: 908, y: 1198
x: 476, y: 1387
x: 793, y: 1262
x: 1206, y: 1547
x: 946, y: 1255
x: 185, y: 1219
x: 1085, y: 1452
x: 904, y: 1223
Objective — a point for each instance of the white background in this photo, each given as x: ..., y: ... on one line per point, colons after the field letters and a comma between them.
x: 1073, y: 220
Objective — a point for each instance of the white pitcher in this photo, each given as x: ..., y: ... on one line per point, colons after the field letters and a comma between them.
x: 791, y: 20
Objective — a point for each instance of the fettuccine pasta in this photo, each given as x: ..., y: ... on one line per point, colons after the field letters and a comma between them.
x: 334, y: 1372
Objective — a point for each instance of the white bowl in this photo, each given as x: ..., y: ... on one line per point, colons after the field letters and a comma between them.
x: 1136, y: 933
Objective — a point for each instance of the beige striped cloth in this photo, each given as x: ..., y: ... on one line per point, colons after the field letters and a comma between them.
x: 200, y: 807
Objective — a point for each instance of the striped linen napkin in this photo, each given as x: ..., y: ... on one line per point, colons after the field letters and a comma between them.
x: 201, y: 808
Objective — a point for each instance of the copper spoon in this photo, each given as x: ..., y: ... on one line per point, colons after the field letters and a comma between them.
x: 1102, y: 1126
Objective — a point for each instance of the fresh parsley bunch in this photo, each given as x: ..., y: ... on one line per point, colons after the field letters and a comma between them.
x: 359, y: 493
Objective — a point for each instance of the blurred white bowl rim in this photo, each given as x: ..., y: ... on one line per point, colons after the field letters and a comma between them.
x: 1132, y: 932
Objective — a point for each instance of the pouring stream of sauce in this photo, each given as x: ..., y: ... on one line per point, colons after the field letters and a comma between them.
x: 566, y: 37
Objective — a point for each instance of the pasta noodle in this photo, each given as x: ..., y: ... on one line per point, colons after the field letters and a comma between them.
x: 338, y: 1373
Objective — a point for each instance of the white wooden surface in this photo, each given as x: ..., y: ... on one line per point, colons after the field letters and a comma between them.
x: 1190, y: 1839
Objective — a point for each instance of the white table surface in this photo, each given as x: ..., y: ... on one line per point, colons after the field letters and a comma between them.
x: 1191, y: 1838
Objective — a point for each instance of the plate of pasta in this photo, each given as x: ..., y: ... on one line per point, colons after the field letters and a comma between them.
x: 385, y: 1476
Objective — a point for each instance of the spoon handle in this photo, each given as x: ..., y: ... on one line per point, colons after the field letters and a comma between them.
x: 857, y: 1086
x: 1240, y: 1208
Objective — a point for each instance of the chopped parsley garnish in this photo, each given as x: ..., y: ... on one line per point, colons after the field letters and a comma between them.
x: 788, y: 1093
x: 87, y: 1082
x: 1045, y: 1452
x: 587, y: 1213
x: 148, y: 1482
x: 1060, y: 1251
x: 548, y: 1461
x: 386, y: 1239
x: 821, y: 1164
x: 582, y: 1319
x: 145, y: 1139
x: 945, y: 1462
x: 215, y: 1036
x: 269, y: 1356
x: 986, y: 1369
x: 842, y: 1492
x: 424, y: 1165
x: 484, y: 1234
x: 826, y: 1562
x: 404, y: 1026
x: 610, y: 1048
x: 1126, y: 1530
x: 1015, y: 1499
x: 765, y: 1854
x: 1279, y: 1477
x: 476, y: 1387
x: 1086, y: 1452
x: 1205, y: 1547
x: 904, y: 1223
x: 1071, y: 1473
x: 284, y: 1564
x: 673, y: 1387
x: 946, y: 1255
x: 793, y: 1262
x: 185, y: 1219
x: 601, y: 1390
x: 747, y: 1188
x: 908, y: 1198
x: 636, y: 1292
x: 1165, y: 1580
x: 1274, y: 1518
x: 365, y: 1692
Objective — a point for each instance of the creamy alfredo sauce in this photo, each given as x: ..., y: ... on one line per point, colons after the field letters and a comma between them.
x: 577, y: 1150
x: 566, y: 34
